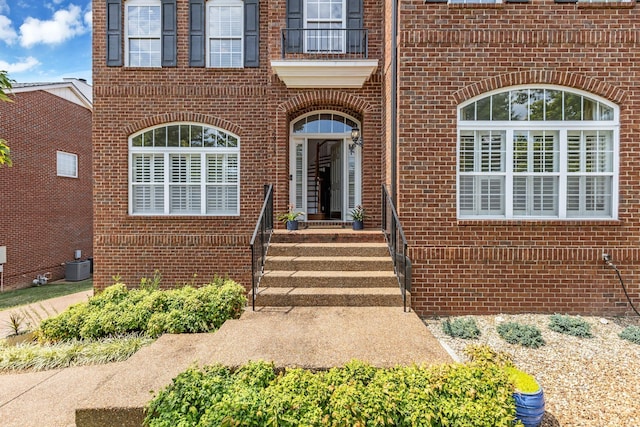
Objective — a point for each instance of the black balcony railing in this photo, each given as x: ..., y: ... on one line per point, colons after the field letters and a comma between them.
x: 338, y: 43
x: 397, y: 244
x: 260, y: 241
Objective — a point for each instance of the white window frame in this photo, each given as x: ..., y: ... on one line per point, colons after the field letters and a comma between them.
x: 211, y: 4
x: 342, y: 34
x: 63, y: 167
x: 165, y: 184
x: 128, y: 38
x: 563, y: 129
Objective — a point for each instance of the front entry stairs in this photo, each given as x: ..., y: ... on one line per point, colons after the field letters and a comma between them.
x: 328, y: 267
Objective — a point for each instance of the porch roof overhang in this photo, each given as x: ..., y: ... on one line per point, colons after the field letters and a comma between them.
x: 324, y: 74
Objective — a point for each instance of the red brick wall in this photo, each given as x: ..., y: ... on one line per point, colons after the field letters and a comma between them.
x: 252, y: 103
x: 449, y: 54
x: 44, y: 217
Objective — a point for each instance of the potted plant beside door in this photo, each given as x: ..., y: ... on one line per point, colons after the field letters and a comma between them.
x: 358, y: 214
x: 290, y: 218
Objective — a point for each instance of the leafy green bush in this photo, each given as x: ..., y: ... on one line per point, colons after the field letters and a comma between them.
x: 117, y: 311
x: 631, y: 333
x: 470, y: 395
x: 465, y: 328
x: 570, y: 325
x: 525, y: 335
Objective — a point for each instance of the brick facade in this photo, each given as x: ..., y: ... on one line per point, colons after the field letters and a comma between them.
x: 249, y: 102
x: 45, y: 217
x: 464, y: 51
x: 447, y: 55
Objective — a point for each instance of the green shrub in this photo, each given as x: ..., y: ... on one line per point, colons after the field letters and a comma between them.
x: 117, y: 311
x: 465, y: 328
x: 471, y: 395
x: 570, y: 325
x: 525, y: 335
x: 631, y: 333
x: 522, y: 381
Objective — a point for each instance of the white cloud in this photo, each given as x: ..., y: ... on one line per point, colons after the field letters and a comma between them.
x: 4, y: 7
x: 18, y: 67
x: 7, y: 33
x: 66, y: 24
x: 88, y: 19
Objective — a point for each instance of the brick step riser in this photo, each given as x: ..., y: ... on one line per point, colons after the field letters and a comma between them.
x: 301, y: 265
x: 327, y: 238
x: 320, y: 300
x: 327, y: 251
x: 328, y: 282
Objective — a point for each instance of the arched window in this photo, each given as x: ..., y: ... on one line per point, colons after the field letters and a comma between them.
x: 184, y: 169
x: 538, y: 152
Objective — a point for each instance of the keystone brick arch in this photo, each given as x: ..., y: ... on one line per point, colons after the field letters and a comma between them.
x: 577, y: 81
x: 183, y: 117
x: 322, y: 99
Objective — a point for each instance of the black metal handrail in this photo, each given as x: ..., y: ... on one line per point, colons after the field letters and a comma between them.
x: 397, y: 242
x: 327, y: 42
x: 262, y: 233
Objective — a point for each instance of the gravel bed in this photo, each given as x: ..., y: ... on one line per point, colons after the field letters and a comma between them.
x: 587, y: 382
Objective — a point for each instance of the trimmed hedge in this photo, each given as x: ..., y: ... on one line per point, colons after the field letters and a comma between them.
x: 117, y: 311
x: 470, y: 395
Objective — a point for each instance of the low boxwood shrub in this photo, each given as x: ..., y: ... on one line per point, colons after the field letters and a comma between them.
x: 461, y: 327
x: 118, y: 310
x: 631, y: 333
x: 525, y: 335
x: 570, y: 325
x: 469, y: 395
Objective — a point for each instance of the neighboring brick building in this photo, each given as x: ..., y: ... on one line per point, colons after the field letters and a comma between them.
x: 512, y: 151
x: 46, y: 202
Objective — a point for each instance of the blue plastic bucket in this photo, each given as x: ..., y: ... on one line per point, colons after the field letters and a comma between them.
x: 529, y: 408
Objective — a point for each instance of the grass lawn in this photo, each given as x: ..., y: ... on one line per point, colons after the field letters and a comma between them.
x: 20, y: 297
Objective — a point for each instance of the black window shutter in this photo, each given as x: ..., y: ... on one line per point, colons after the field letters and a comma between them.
x: 169, y: 33
x: 295, y: 24
x: 251, y: 33
x: 355, y: 34
x: 196, y: 33
x: 114, y: 33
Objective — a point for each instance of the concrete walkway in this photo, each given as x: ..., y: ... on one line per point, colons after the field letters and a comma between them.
x: 313, y: 337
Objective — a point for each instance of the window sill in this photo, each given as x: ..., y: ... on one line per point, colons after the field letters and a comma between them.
x: 539, y: 222
x: 183, y: 217
x: 476, y: 5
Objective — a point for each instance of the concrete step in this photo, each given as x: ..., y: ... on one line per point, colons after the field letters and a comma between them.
x: 340, y: 235
x: 328, y: 297
x: 327, y: 279
x: 334, y: 263
x: 329, y: 249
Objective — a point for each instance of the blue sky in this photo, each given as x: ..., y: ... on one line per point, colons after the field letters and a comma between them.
x: 45, y: 41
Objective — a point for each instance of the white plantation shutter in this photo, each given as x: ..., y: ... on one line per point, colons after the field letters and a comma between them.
x: 190, y: 179
x: 590, y: 164
x: 148, y: 178
x: 222, y: 183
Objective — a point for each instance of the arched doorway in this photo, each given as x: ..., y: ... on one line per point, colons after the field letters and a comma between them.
x: 325, y: 166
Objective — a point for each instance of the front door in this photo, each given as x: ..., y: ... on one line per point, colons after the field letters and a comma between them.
x: 325, y: 178
x: 325, y: 172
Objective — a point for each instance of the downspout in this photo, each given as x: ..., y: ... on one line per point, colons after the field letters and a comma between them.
x: 394, y: 101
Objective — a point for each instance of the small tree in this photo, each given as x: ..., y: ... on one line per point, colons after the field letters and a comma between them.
x: 5, y: 84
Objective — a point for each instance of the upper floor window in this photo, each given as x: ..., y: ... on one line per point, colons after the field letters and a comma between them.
x: 67, y: 164
x: 225, y: 33
x: 143, y: 31
x: 324, y: 26
x: 150, y: 33
x: 538, y: 152
x: 184, y: 169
